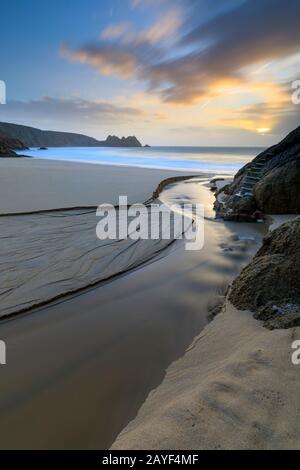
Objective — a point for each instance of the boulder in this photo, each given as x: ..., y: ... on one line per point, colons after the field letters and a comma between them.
x: 272, y: 279
x: 278, y: 192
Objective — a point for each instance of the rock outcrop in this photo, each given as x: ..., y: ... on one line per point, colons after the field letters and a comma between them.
x: 270, y: 284
x: 39, y: 138
x: 269, y: 184
x: 113, y: 141
x: 8, y: 146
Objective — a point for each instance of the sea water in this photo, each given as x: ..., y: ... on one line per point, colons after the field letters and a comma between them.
x: 199, y: 159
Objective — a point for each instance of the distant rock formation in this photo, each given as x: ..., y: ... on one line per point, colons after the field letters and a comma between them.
x: 8, y: 145
x: 113, y: 141
x: 38, y: 138
x: 270, y: 285
x: 269, y: 184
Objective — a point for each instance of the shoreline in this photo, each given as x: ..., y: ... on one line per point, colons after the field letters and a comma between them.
x: 140, y: 167
x: 103, y: 341
x: 217, y: 397
x: 158, y: 158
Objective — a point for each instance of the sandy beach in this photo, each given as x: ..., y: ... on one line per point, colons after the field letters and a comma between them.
x: 35, y: 185
x: 235, y: 388
x: 111, y: 349
x: 149, y: 228
x: 121, y: 362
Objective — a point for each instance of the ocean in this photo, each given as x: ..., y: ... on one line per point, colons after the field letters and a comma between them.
x: 199, y: 159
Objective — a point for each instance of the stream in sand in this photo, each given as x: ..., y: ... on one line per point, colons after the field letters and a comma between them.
x: 79, y: 369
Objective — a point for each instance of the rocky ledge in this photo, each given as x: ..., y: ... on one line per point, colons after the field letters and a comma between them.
x: 267, y: 185
x: 270, y: 285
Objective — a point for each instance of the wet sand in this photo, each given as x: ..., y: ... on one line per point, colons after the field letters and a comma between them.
x: 32, y: 184
x: 80, y: 369
x: 236, y: 388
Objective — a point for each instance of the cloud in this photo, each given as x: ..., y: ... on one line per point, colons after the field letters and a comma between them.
x: 114, y: 31
x: 75, y: 110
x: 164, y: 29
x: 279, y: 118
x: 124, y: 53
x: 218, y: 50
x: 254, y: 32
x: 107, y: 59
x: 205, y: 54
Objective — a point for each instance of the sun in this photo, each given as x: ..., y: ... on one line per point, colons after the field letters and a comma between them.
x: 263, y: 130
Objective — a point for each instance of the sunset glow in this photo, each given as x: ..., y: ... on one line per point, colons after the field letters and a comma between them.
x: 180, y: 72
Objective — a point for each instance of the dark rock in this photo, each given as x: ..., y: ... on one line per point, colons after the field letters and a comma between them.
x: 8, y: 145
x: 43, y: 148
x: 278, y: 192
x: 213, y: 183
x: 273, y: 177
x: 270, y: 311
x: 113, y: 141
x: 259, y: 216
x: 285, y: 241
x: 273, y: 276
x: 239, y: 217
x: 291, y: 320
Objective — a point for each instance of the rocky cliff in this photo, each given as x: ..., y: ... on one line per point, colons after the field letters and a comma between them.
x: 269, y: 184
x: 8, y: 145
x: 33, y: 137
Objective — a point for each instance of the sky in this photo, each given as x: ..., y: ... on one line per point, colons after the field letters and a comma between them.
x: 171, y: 72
